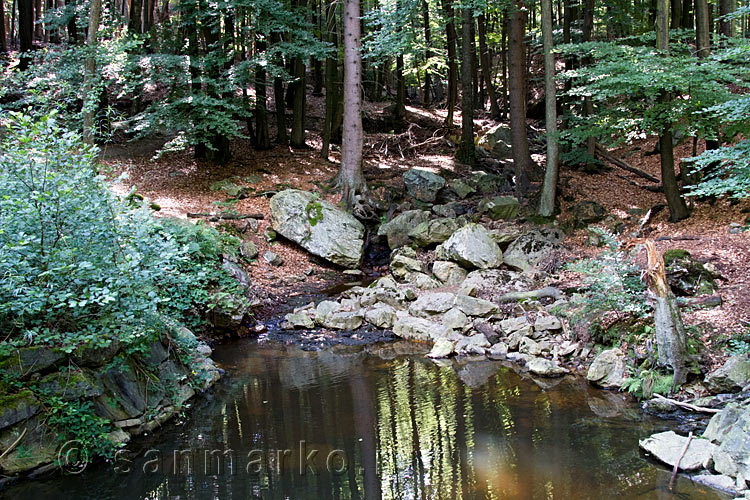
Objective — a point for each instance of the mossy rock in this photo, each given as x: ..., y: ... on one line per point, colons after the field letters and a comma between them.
x: 28, y: 360
x: 70, y: 385
x: 38, y: 446
x: 17, y: 407
x: 686, y: 275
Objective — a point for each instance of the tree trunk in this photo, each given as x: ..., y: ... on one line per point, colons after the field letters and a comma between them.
x: 89, y: 99
x: 517, y: 87
x: 3, y: 41
x: 400, y: 111
x: 72, y: 26
x: 671, y: 339
x: 466, y: 152
x: 136, y: 8
x: 350, y: 178
x: 300, y: 101
x: 25, y: 32
x: 676, y: 14
x: 38, y: 26
x: 726, y: 27
x: 332, y: 85
x: 477, y: 102
x: 427, y: 96
x: 262, y: 137
x: 547, y: 202
x: 702, y: 29
x: 486, y: 67
x: 450, y: 32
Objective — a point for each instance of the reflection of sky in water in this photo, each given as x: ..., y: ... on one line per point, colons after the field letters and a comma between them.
x: 408, y: 427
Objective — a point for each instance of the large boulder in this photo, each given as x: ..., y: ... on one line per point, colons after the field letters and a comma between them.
x: 411, y: 328
x: 318, y: 227
x: 422, y: 184
x: 733, y: 376
x: 667, y: 447
x: 397, y: 230
x: 430, y: 304
x: 608, y: 369
x: 433, y: 231
x: 499, y: 207
x: 471, y: 246
x: 497, y: 142
x: 530, y: 248
x: 731, y: 429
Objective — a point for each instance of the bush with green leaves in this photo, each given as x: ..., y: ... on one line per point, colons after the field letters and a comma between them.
x: 80, y: 266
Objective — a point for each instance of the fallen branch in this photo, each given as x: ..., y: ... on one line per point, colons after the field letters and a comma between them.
x: 549, y: 291
x: 654, y: 189
x: 649, y: 215
x: 196, y: 215
x: 677, y: 238
x: 679, y: 459
x: 15, y: 443
x: 623, y: 165
x: 710, y: 301
x: 687, y: 406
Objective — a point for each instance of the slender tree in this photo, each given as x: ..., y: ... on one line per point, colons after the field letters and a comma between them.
x: 467, y: 152
x: 517, y: 89
x: 25, y: 32
x: 486, y: 63
x: 3, y: 42
x: 450, y: 33
x: 547, y: 202
x: 427, y: 94
x: 350, y: 178
x: 89, y: 99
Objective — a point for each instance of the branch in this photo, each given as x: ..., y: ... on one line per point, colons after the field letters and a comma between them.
x: 687, y: 406
x: 15, y: 443
x: 654, y: 189
x: 195, y: 215
x: 548, y: 291
x: 677, y: 464
x: 601, y: 151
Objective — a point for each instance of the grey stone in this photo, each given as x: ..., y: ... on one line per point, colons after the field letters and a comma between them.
x: 475, y: 344
x: 471, y: 246
x: 248, y: 250
x: 27, y: 360
x: 381, y: 316
x: 461, y: 188
x: 449, y: 273
x: 430, y: 304
x: 455, y: 319
x: 736, y: 443
x: 545, y: 367
x: 722, y: 422
x: 499, y: 207
x: 397, y: 230
x: 411, y: 328
x: 732, y: 376
x: 497, y: 142
x: 530, y: 248
x: 343, y: 320
x: 667, y: 448
x: 608, y: 369
x: 228, y: 311
x: 421, y: 281
x: 433, y: 231
x: 487, y: 183
x: 298, y: 320
x: 544, y: 323
x: 587, y: 212
x: 422, y: 184
x: 442, y: 349
x: 498, y: 351
x: 71, y: 385
x: 236, y: 272
x: 472, y: 306
x: 318, y: 227
x: 717, y: 481
x: 529, y: 346
x: 513, y: 324
x: 402, y: 265
x: 273, y: 258
x: 17, y: 407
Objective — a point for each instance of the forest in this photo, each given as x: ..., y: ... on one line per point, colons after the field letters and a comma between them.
x: 470, y: 246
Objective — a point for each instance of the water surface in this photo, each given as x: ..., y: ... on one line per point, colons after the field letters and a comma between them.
x: 378, y: 422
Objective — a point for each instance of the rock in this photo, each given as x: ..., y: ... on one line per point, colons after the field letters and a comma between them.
x: 514, y: 324
x: 324, y: 308
x: 733, y: 376
x: 474, y: 307
x: 545, y: 323
x: 532, y: 347
x: 230, y: 188
x: 204, y: 349
x: 298, y: 320
x: 117, y: 437
x: 487, y: 183
x: 608, y: 369
x: 721, y: 423
x: 473, y: 247
x: 442, y: 349
x: 545, y: 367
x: 486, y: 329
x: 667, y: 447
x: 587, y: 212
x: 381, y: 316
x: 433, y: 231
x: 17, y: 407
x: 717, y: 481
x: 473, y: 345
x: 735, y: 444
x: 71, y: 385
x: 411, y: 328
x: 318, y: 227
x: 422, y: 281
x: 449, y: 273
x: 422, y: 184
x: 38, y: 447
x: 497, y: 142
x: 725, y: 464
x: 687, y: 275
x: 28, y: 360
x: 273, y: 258
x: 397, y: 230
x: 125, y: 396
x: 498, y: 351
x: 236, y: 272
x: 499, y: 207
x: 343, y: 320
x: 461, y: 189
x: 455, y: 319
x: 228, y: 312
x: 530, y: 248
x: 404, y: 263
x: 98, y: 355
x: 248, y: 250
x: 430, y: 304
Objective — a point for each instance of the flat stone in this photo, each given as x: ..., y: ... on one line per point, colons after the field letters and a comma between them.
x: 298, y: 320
x: 472, y: 345
x: 545, y: 367
x: 500, y: 207
x: 514, y: 324
x: 411, y: 328
x: 433, y: 231
x: 397, y: 230
x: 17, y: 407
x: 430, y: 304
x: 472, y: 306
x: 732, y: 376
x: 273, y: 258
x: 442, y: 349
x: 27, y: 360
x: 717, y: 481
x: 455, y: 319
x: 381, y: 316
x: 498, y: 351
x: 422, y: 184
x: 545, y: 323
x: 461, y: 188
x: 449, y: 273
x: 531, y: 248
x: 667, y: 447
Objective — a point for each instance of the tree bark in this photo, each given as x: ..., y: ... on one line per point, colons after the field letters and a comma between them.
x: 331, y: 79
x: 300, y: 102
x: 3, y: 41
x: 702, y: 29
x: 450, y: 32
x: 427, y: 95
x: 676, y: 21
x: 25, y: 32
x: 547, y: 201
x: 726, y: 27
x: 484, y: 56
x: 466, y: 152
x: 136, y: 8
x: 350, y: 178
x: 517, y: 87
x: 90, y: 100
x: 262, y: 137
x: 400, y: 111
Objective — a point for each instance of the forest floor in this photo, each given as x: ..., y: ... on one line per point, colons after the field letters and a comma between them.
x: 179, y: 184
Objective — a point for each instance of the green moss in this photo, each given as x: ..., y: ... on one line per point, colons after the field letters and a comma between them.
x: 675, y: 254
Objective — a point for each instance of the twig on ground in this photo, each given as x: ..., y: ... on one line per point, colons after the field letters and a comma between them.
x: 196, y: 215
x: 687, y: 406
x: 15, y: 443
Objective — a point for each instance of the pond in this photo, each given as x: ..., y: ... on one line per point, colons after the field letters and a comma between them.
x: 381, y: 421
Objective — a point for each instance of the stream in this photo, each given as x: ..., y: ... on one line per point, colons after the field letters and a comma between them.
x: 381, y: 421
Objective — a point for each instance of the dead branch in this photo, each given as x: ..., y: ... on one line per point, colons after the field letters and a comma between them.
x: 654, y: 189
x: 710, y: 301
x: 601, y: 151
x: 677, y: 238
x: 679, y: 459
x: 15, y: 443
x: 687, y: 406
x: 196, y: 215
x: 649, y: 215
x: 549, y: 291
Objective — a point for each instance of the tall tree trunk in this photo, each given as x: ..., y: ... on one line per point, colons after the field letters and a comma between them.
x: 427, y: 95
x: 25, y: 32
x: 547, y: 202
x: 278, y: 96
x: 477, y: 102
x: 262, y: 137
x: 90, y: 100
x: 486, y: 67
x: 504, y: 62
x: 350, y: 178
x: 400, y: 110
x: 676, y: 21
x: 38, y: 25
x: 72, y: 27
x: 517, y: 87
x: 702, y: 29
x: 300, y: 102
x: 136, y: 9
x: 3, y: 41
x: 726, y: 26
x: 450, y: 33
x: 332, y: 77
x: 466, y: 152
